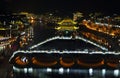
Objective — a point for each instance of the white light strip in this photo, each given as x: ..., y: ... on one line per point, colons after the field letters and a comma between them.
x: 116, y: 73
x: 62, y: 52
x: 105, y: 24
x: 61, y: 70
x: 68, y: 38
x: 25, y: 70
x: 50, y: 39
x: 90, y: 71
x: 49, y: 70
x: 30, y: 70
x: 103, y: 72
x: 4, y: 38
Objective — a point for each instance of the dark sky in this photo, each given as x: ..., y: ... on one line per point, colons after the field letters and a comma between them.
x: 38, y: 6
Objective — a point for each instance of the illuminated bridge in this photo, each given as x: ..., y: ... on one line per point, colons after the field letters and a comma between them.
x: 32, y: 62
x: 69, y: 38
x: 96, y: 64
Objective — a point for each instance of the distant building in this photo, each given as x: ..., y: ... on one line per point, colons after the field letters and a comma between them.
x: 77, y: 16
x: 67, y: 24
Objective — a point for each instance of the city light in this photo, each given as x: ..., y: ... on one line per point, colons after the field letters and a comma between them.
x: 46, y: 44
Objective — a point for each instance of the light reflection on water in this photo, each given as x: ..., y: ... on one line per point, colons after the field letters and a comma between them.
x: 65, y: 73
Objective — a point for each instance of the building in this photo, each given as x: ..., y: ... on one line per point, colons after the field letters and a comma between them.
x: 77, y: 16
x: 67, y: 24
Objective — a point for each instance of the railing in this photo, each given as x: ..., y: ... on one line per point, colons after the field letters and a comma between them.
x: 69, y: 38
x: 65, y: 59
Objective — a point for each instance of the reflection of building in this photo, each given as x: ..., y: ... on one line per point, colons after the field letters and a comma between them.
x: 67, y: 24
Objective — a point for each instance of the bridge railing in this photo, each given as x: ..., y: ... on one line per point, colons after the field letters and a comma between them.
x: 69, y: 38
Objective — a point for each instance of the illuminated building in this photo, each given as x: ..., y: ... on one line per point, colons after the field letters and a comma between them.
x: 67, y: 24
x: 77, y: 15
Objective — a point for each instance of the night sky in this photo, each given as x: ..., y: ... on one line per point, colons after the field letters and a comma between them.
x: 65, y: 6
